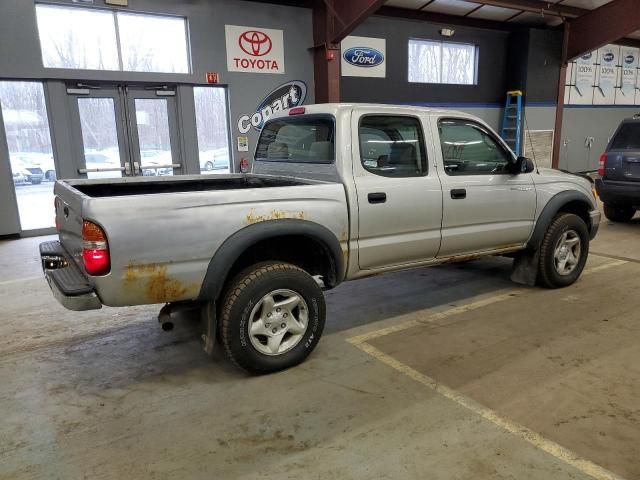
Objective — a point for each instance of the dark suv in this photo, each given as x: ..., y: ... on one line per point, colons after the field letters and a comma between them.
x: 619, y: 172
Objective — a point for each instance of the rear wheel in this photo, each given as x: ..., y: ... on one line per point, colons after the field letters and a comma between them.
x: 273, y: 314
x: 564, y: 251
x: 617, y: 213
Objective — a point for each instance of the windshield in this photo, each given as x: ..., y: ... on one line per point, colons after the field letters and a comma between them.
x: 304, y: 139
x: 627, y: 137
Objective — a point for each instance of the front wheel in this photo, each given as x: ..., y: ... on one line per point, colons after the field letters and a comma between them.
x: 272, y: 317
x: 617, y: 213
x: 564, y: 251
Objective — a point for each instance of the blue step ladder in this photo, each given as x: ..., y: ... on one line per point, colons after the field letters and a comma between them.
x: 512, y: 120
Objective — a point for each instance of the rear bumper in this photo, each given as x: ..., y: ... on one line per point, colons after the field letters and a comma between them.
x: 618, y: 193
x: 68, y: 283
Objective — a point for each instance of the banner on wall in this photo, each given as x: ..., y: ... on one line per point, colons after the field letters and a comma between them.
x: 255, y: 50
x: 608, y: 62
x: 585, y: 70
x: 363, y: 57
x: 287, y: 95
x: 629, y: 61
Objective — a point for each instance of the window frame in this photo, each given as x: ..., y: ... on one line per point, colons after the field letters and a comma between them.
x: 421, y: 140
x: 321, y: 116
x: 442, y: 43
x: 499, y: 141
x: 114, y: 13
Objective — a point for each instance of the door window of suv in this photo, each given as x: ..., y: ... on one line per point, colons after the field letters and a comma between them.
x: 469, y: 149
x: 392, y: 146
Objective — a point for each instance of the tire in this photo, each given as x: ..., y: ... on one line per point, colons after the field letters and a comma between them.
x: 565, y: 229
x: 208, y: 166
x: 246, y: 304
x: 617, y: 213
x: 50, y: 175
x: 36, y: 182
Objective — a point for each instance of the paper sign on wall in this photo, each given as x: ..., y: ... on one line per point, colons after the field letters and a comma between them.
x: 253, y: 49
x: 629, y: 61
x: 585, y: 72
x: 363, y: 57
x: 608, y: 64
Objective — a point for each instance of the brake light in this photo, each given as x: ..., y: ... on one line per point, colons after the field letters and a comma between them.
x: 296, y: 111
x: 602, y: 164
x: 95, y: 249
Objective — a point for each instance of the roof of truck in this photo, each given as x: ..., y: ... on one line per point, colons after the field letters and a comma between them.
x: 329, y: 107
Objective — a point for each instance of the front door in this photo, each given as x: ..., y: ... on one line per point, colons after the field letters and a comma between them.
x: 485, y: 206
x: 124, y: 131
x: 399, y: 196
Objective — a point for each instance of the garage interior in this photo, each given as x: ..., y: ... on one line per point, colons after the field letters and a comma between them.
x: 445, y: 372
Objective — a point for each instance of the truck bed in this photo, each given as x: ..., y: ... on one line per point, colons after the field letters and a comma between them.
x: 188, y: 183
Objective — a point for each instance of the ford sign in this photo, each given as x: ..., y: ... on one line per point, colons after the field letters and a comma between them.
x: 287, y: 95
x: 363, y: 56
x: 629, y: 59
x: 608, y: 57
x: 587, y: 56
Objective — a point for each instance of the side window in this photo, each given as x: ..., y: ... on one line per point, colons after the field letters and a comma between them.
x: 392, y: 146
x: 469, y: 149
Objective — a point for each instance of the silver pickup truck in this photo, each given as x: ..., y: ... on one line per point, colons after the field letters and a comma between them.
x: 337, y: 192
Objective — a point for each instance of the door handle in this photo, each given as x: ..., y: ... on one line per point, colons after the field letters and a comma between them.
x: 458, y: 193
x: 377, y: 197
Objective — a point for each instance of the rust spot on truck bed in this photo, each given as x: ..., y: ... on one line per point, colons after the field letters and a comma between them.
x: 252, y: 217
x: 157, y: 286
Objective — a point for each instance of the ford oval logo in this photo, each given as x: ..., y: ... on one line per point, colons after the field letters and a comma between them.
x: 608, y: 57
x: 587, y: 56
x: 363, y: 56
x: 629, y: 59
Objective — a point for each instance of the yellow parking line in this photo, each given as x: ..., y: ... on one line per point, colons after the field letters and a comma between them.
x: 558, y: 451
x: 593, y: 470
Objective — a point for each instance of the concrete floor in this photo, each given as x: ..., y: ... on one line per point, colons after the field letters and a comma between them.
x: 108, y: 394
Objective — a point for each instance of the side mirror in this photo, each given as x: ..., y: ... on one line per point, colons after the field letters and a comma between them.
x: 523, y: 165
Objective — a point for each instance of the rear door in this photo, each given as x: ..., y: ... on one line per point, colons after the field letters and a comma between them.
x: 399, y: 197
x: 485, y: 207
x: 623, y: 153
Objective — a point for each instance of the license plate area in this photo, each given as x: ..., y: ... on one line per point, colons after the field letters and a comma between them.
x: 632, y: 168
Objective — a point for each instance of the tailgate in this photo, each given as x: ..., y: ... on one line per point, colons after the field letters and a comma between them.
x: 623, y: 166
x: 69, y: 203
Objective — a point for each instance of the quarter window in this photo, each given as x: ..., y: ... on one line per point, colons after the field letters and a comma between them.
x: 392, y: 146
x: 469, y: 149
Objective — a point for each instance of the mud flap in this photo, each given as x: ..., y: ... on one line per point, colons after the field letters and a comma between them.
x: 525, y: 268
x: 209, y: 326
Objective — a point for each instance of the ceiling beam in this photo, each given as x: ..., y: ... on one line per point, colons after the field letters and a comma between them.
x: 349, y: 14
x: 537, y: 6
x: 443, y: 19
x: 606, y: 24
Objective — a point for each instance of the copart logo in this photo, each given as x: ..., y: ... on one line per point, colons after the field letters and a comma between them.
x: 363, y: 56
x: 255, y: 43
x: 287, y: 95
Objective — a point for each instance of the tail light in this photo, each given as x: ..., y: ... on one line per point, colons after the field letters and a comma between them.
x: 602, y: 164
x: 95, y: 249
x: 296, y: 111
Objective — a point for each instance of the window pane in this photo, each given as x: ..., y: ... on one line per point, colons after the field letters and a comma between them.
x: 458, y: 63
x: 27, y: 129
x: 77, y: 38
x: 152, y: 120
x: 211, y: 126
x: 99, y: 137
x: 151, y: 43
x: 627, y: 137
x: 468, y: 149
x: 424, y: 61
x: 392, y: 146
x: 307, y: 139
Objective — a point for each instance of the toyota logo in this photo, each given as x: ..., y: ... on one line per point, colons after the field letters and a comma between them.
x: 255, y: 43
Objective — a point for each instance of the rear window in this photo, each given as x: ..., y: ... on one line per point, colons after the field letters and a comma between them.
x: 304, y: 139
x: 627, y: 137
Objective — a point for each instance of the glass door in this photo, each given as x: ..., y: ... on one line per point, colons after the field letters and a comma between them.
x: 153, y: 128
x: 100, y: 137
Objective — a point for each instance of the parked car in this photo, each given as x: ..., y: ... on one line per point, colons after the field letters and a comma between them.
x: 19, y: 178
x: 30, y: 172
x: 102, y: 163
x: 44, y: 161
x: 157, y: 161
x: 338, y: 192
x: 216, y: 159
x: 618, y: 184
